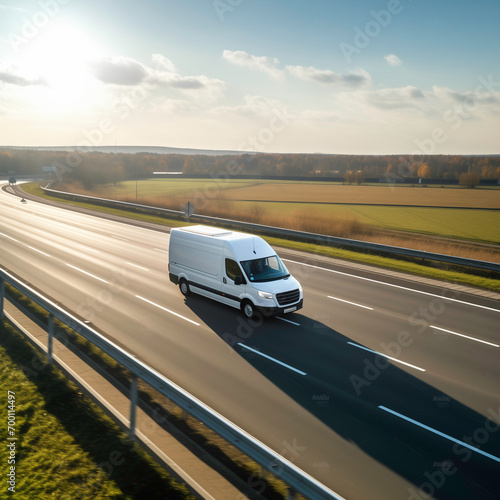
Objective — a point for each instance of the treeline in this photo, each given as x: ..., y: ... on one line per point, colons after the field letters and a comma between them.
x: 95, y: 168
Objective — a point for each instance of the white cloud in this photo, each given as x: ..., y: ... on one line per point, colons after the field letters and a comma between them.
x: 13, y: 77
x: 254, y: 105
x: 466, y: 98
x: 393, y: 60
x: 118, y: 70
x: 161, y: 63
x: 176, y: 81
x: 394, y: 98
x: 416, y: 113
x: 481, y: 104
x: 356, y: 78
x: 264, y: 64
x: 201, y: 86
x: 162, y: 73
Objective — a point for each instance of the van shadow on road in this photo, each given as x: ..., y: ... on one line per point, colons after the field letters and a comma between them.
x: 344, y: 387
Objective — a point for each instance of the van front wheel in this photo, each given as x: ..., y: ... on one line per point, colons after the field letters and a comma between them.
x: 248, y: 309
x: 184, y: 287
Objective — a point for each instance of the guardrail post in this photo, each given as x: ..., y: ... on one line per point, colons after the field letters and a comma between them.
x: 50, y: 328
x: 133, y: 405
x: 2, y: 296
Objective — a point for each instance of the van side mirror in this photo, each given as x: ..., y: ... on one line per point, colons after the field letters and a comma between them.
x: 238, y: 280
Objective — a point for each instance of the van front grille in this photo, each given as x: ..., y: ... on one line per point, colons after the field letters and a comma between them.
x: 288, y: 297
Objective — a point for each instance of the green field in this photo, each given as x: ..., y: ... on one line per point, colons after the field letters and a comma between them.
x: 312, y: 201
x: 310, y: 191
x: 469, y: 224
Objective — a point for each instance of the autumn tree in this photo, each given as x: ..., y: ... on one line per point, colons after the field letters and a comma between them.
x: 424, y: 172
x: 469, y: 179
x: 5, y: 161
x: 349, y: 177
x: 189, y: 166
x: 359, y: 178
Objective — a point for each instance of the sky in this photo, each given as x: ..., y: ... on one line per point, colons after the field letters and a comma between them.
x: 277, y: 76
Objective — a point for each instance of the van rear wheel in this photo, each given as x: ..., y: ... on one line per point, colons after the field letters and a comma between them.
x: 184, y: 287
x: 248, y: 309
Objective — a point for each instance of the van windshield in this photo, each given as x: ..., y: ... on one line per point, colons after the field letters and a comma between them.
x: 265, y: 269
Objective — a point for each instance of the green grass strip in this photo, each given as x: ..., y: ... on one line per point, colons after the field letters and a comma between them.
x: 66, y: 447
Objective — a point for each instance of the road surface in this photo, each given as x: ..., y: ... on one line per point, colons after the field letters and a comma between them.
x: 380, y: 387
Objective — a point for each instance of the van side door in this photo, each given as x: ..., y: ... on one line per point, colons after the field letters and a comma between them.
x: 230, y: 290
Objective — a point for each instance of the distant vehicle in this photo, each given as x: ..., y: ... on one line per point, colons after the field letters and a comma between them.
x: 238, y: 269
x: 23, y: 200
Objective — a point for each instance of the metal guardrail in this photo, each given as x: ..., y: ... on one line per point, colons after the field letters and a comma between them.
x: 319, y: 239
x: 296, y: 479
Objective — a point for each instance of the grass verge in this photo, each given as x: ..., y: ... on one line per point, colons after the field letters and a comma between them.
x: 67, y: 448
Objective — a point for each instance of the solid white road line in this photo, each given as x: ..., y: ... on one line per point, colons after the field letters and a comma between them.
x: 352, y: 303
x: 167, y: 310
x: 88, y: 248
x: 394, y: 286
x: 462, y: 335
x: 88, y: 274
x: 272, y: 359
x: 39, y: 251
x: 10, y: 237
x: 385, y: 356
x: 426, y: 427
x: 138, y: 267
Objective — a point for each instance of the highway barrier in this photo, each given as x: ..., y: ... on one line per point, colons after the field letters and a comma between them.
x: 296, y: 479
x: 319, y: 239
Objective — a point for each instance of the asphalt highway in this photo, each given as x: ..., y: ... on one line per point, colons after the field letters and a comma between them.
x: 380, y: 387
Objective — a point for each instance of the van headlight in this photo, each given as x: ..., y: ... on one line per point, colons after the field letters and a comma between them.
x: 265, y: 295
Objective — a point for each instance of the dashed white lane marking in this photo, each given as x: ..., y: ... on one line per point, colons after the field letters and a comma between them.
x: 442, y: 434
x: 39, y: 251
x: 352, y: 303
x: 89, y: 249
x: 385, y: 356
x: 300, y: 372
x: 168, y: 310
x: 10, y: 237
x: 462, y: 335
x: 138, y: 267
x: 288, y: 320
x: 88, y: 274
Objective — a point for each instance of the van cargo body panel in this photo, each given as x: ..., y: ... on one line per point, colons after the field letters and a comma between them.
x: 234, y: 268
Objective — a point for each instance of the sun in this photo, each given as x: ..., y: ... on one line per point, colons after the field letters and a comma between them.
x: 58, y: 57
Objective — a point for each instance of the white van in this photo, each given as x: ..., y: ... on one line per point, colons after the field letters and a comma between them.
x: 237, y: 269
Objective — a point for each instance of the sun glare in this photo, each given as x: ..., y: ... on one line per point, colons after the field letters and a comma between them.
x: 58, y: 57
